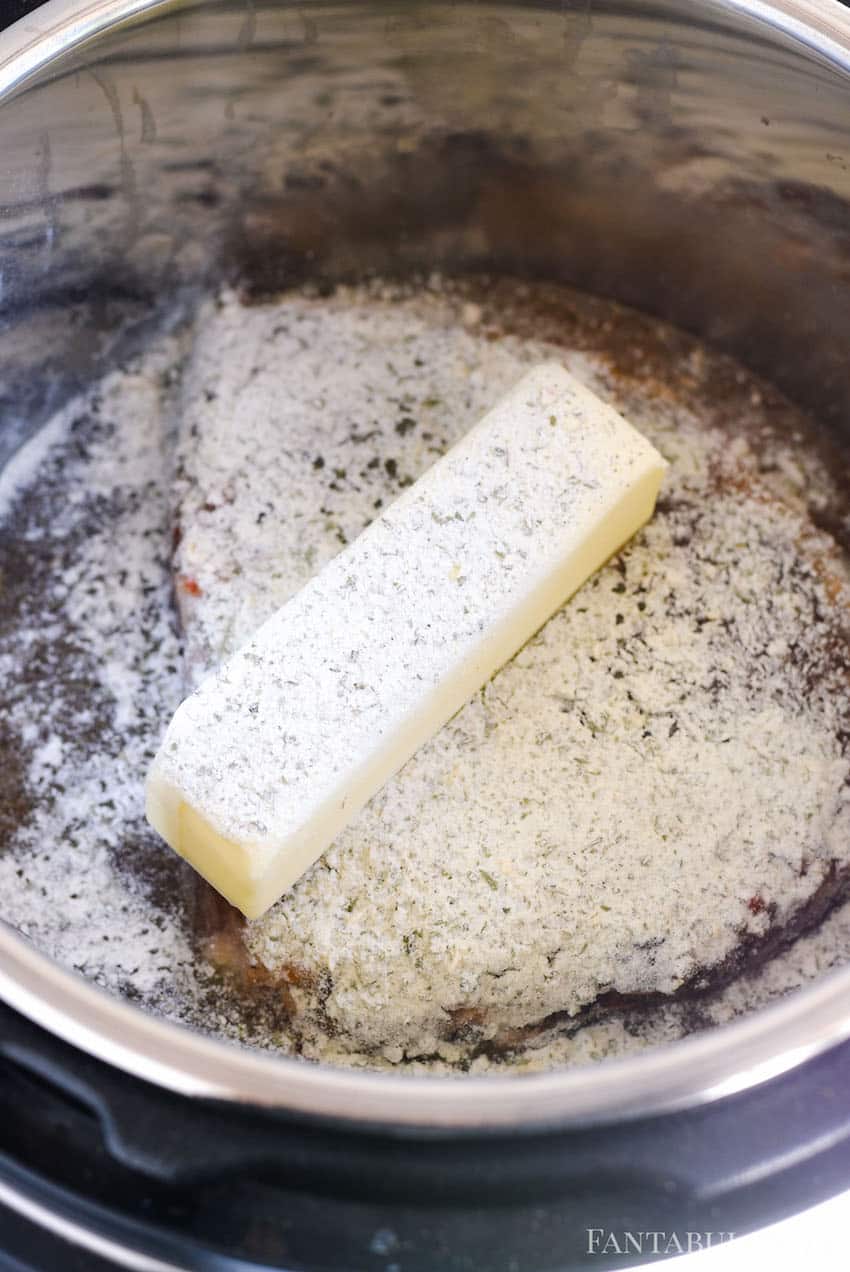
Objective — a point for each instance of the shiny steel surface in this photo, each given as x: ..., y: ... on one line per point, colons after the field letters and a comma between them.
x: 696, y: 1070
x: 691, y: 158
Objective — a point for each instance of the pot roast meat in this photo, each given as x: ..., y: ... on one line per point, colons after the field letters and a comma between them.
x: 651, y: 797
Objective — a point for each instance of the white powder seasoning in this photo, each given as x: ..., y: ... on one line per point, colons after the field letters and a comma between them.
x: 89, y: 659
x: 657, y: 774
x: 655, y: 781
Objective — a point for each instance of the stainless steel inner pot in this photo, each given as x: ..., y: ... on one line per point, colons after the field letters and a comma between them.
x: 691, y: 157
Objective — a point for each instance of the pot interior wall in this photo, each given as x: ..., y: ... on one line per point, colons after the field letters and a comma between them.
x: 676, y: 157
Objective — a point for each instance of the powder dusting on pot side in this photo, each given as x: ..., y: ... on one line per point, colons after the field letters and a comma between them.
x: 89, y: 658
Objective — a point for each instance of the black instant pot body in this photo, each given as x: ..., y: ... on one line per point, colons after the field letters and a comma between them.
x: 692, y: 159
x: 91, y: 1154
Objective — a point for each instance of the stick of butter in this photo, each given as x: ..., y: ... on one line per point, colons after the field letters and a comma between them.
x: 276, y: 752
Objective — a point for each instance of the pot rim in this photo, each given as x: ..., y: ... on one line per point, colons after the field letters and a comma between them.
x: 678, y: 1075
x: 59, y: 26
x: 674, y: 1076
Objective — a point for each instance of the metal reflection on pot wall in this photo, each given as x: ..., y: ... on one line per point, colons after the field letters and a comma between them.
x: 670, y: 157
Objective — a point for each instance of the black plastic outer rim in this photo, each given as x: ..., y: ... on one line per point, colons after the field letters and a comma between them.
x: 741, y: 1163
